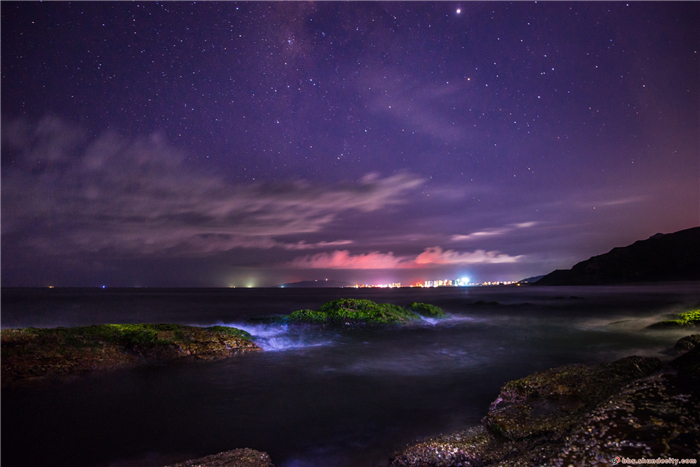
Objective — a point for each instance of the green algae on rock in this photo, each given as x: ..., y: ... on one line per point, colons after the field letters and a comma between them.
x: 352, y: 311
x: 687, y: 319
x: 235, y: 458
x: 39, y: 353
x: 579, y: 415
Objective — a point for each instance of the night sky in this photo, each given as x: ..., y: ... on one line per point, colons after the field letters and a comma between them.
x: 251, y: 144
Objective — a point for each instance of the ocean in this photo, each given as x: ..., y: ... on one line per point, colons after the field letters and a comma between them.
x: 313, y: 398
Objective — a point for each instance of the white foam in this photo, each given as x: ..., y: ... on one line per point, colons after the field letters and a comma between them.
x: 261, y: 330
x: 280, y: 337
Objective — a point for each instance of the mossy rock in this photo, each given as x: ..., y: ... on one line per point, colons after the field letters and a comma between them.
x: 32, y: 353
x: 688, y: 319
x: 352, y: 311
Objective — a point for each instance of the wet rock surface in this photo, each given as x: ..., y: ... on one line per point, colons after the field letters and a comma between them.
x: 235, y: 458
x: 687, y: 342
x: 33, y: 354
x: 580, y: 415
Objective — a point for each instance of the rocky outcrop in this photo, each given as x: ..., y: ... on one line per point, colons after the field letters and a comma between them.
x: 358, y: 312
x: 687, y: 343
x: 579, y: 415
x: 31, y: 354
x: 688, y: 319
x: 235, y: 458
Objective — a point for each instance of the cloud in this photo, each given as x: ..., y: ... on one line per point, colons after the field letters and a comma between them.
x: 64, y: 191
x: 433, y: 256
x: 492, y: 232
x: 617, y: 202
x: 342, y: 259
x: 308, y: 246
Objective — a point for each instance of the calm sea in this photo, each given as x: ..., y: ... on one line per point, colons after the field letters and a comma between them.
x: 313, y: 398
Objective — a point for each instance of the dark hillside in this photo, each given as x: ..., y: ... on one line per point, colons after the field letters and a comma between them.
x: 669, y: 257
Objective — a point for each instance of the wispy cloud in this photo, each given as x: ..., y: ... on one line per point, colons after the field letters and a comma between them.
x: 433, y: 256
x: 495, y: 232
x: 310, y: 246
x: 64, y: 190
x: 342, y: 259
x: 621, y: 201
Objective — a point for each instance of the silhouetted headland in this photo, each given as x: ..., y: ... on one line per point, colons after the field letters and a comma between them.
x: 660, y: 258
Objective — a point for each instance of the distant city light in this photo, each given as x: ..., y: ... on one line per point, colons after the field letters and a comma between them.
x: 461, y: 282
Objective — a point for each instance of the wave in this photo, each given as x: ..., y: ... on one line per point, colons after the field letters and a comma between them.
x: 280, y: 337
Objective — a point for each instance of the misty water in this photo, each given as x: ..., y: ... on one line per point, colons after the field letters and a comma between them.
x: 314, y: 397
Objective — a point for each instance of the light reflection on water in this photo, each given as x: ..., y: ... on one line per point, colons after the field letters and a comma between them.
x: 321, y: 398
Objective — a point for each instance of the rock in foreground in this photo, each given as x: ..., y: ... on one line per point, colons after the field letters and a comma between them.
x: 351, y: 311
x: 235, y: 458
x: 37, y: 353
x: 579, y: 415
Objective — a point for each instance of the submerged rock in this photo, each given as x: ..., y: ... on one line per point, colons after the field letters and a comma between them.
x: 579, y: 415
x: 235, y: 458
x: 38, y: 353
x: 353, y: 312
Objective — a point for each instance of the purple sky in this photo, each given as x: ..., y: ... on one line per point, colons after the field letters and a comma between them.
x: 219, y: 144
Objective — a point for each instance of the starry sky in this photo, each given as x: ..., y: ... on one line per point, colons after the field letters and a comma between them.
x: 252, y: 144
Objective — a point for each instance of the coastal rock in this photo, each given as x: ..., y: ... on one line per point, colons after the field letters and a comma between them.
x: 550, y: 402
x: 235, y: 458
x: 657, y: 416
x: 32, y: 354
x: 688, y: 319
x: 359, y: 312
x: 687, y: 342
x: 688, y: 364
x: 579, y: 415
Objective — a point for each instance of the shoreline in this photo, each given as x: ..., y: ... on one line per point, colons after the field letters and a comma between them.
x: 580, y: 415
x: 31, y: 355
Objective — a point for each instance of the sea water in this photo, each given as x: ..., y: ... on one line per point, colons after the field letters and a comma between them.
x: 314, y: 397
